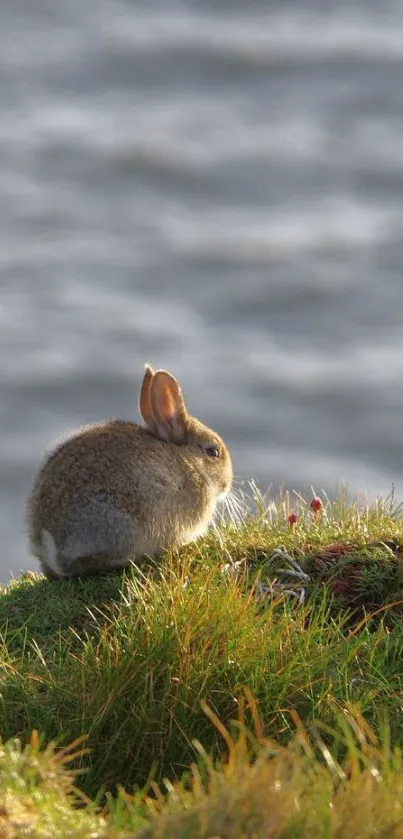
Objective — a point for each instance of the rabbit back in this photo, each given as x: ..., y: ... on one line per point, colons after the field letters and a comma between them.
x: 113, y: 493
x: 117, y: 491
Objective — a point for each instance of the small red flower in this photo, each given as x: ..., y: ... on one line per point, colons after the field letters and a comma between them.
x: 292, y: 519
x: 316, y: 505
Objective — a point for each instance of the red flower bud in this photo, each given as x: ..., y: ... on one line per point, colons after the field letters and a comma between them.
x: 292, y: 518
x: 316, y: 505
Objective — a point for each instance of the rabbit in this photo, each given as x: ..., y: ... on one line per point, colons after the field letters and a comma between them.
x: 115, y: 492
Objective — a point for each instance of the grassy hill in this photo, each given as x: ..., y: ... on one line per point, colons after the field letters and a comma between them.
x: 248, y: 686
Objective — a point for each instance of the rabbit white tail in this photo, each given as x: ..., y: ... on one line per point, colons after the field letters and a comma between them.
x: 49, y: 553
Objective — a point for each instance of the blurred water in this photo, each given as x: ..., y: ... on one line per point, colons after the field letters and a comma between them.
x: 217, y: 190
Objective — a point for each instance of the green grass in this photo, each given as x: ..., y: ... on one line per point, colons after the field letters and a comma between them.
x: 133, y: 661
x: 258, y: 789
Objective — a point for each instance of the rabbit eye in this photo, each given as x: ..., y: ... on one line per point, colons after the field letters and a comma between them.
x: 212, y: 451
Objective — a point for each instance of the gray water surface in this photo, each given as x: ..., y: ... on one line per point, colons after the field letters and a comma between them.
x: 217, y: 189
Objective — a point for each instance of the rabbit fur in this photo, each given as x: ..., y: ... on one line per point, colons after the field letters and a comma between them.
x: 115, y: 492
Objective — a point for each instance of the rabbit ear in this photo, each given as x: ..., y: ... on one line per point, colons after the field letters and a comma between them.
x: 168, y: 407
x: 144, y: 400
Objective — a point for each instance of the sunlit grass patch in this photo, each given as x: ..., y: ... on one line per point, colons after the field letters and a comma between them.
x: 340, y: 780
x: 306, y: 616
x: 261, y: 789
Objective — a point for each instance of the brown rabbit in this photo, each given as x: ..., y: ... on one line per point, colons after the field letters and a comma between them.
x: 116, y: 491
